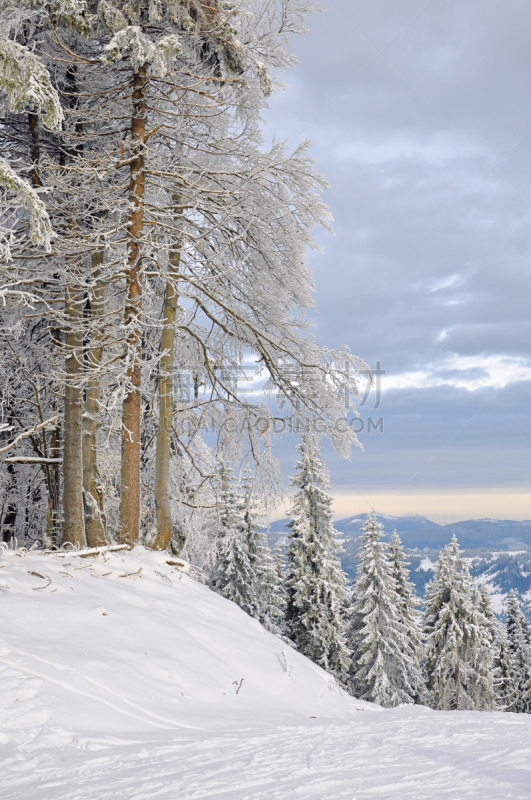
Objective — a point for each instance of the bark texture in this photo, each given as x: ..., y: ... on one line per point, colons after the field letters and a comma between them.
x: 165, y: 389
x: 129, y: 532
x: 92, y: 489
x: 73, y: 526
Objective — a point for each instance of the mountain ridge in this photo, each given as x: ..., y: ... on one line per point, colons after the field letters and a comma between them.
x: 420, y: 533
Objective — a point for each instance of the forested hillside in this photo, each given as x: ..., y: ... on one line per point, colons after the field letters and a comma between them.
x: 499, y: 551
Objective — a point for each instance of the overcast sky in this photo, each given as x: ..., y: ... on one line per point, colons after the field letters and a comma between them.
x: 420, y: 119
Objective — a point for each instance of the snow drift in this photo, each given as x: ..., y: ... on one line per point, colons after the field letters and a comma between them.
x: 120, y: 677
x: 125, y: 643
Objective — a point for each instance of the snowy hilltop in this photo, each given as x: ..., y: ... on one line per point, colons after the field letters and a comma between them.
x: 123, y: 669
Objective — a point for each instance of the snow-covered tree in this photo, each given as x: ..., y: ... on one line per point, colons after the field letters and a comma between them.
x: 519, y: 638
x: 28, y: 88
x: 276, y: 592
x: 315, y: 582
x: 179, y: 245
x: 384, y: 667
x: 484, y: 604
x: 244, y: 569
x: 504, y: 671
x: 458, y: 659
x: 265, y: 588
x: 407, y: 614
x: 233, y: 575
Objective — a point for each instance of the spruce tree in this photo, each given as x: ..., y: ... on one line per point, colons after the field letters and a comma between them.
x: 244, y: 570
x: 458, y: 660
x: 273, y: 593
x: 316, y: 584
x: 383, y: 666
x: 233, y: 575
x: 264, y: 585
x: 277, y: 594
x: 519, y: 637
x: 504, y: 672
x: 412, y: 640
x: 485, y: 607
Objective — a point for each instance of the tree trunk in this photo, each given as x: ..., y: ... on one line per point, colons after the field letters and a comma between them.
x: 52, y: 473
x: 74, y: 528
x: 33, y: 122
x: 92, y: 489
x: 10, y: 518
x: 55, y: 483
x: 129, y: 532
x: 165, y: 387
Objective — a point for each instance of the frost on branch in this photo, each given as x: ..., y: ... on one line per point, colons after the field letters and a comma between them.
x: 40, y: 227
x: 74, y: 13
x: 27, y: 83
x: 142, y: 50
x: 266, y: 84
x: 113, y: 17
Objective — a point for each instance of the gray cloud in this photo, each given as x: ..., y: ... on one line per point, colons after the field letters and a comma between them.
x: 420, y: 119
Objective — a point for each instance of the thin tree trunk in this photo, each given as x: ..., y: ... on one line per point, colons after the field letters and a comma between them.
x: 52, y: 472
x: 33, y: 122
x: 165, y: 387
x: 10, y: 519
x: 53, y: 480
x: 129, y: 532
x: 73, y: 512
x: 74, y: 528
x: 92, y: 489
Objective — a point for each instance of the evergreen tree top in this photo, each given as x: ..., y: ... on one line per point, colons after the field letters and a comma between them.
x: 404, y: 586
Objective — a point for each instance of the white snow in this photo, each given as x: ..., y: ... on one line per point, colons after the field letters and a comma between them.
x: 131, y: 688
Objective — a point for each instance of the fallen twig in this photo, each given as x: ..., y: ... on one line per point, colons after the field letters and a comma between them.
x: 93, y: 551
x: 128, y: 574
x: 165, y: 577
x: 186, y: 568
x: 35, y: 588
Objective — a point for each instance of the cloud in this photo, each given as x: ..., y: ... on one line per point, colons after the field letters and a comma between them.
x: 421, y: 122
x: 465, y: 372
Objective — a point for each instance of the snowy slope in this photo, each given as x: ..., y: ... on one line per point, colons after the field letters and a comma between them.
x: 154, y: 650
x: 128, y: 686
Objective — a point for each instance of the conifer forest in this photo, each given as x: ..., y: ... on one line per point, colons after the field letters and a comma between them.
x: 154, y: 243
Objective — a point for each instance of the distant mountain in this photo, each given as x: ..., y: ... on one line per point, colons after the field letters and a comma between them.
x: 420, y: 533
x: 493, y: 547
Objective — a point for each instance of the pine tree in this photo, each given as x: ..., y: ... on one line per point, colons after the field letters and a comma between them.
x: 504, y: 671
x: 273, y: 594
x: 244, y: 570
x: 519, y: 637
x: 485, y: 606
x: 263, y: 580
x: 458, y: 656
x: 233, y: 575
x: 316, y: 584
x: 277, y: 601
x: 483, y: 691
x: 383, y: 666
x: 413, y: 644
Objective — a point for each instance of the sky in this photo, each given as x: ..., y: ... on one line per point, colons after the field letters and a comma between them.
x: 419, y: 114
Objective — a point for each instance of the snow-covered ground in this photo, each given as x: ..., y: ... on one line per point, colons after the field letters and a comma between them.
x: 127, y: 684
